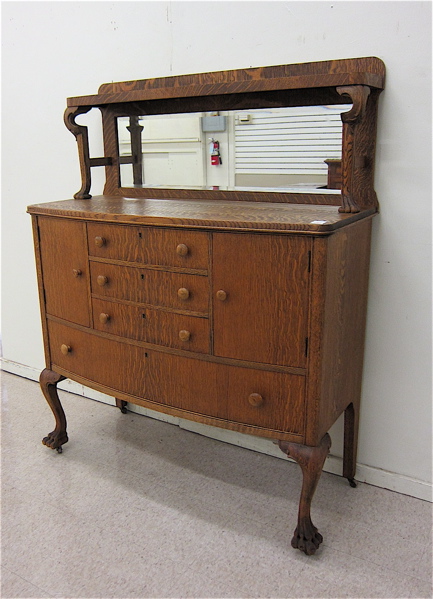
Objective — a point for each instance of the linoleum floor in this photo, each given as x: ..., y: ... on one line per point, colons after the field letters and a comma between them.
x: 137, y: 508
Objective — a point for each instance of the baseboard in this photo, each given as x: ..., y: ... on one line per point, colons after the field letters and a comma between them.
x: 364, y: 473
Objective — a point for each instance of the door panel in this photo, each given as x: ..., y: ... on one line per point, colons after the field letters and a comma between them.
x: 65, y: 268
x: 262, y: 314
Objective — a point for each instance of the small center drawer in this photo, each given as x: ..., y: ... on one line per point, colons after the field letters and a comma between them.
x: 149, y: 245
x: 153, y: 287
x: 152, y: 326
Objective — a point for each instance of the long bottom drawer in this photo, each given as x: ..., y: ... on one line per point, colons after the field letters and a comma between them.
x: 256, y: 398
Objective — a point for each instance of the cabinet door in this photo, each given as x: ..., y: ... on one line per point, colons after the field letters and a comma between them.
x: 260, y: 297
x: 65, y: 268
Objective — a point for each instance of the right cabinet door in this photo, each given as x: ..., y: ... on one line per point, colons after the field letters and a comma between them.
x: 261, y: 297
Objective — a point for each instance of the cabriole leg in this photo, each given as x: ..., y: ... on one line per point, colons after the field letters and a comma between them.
x: 311, y: 459
x: 48, y: 382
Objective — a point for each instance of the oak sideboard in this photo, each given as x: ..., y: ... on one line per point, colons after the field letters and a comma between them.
x: 238, y: 307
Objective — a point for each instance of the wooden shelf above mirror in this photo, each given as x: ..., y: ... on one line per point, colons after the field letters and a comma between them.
x: 355, y: 83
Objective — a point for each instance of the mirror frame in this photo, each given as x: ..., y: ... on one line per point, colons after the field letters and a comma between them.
x: 356, y: 81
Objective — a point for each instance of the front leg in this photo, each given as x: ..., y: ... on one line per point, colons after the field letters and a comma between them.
x: 48, y: 381
x: 311, y: 459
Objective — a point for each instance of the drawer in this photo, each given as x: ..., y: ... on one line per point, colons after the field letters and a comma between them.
x: 149, y: 245
x: 153, y: 287
x: 153, y: 326
x: 241, y: 398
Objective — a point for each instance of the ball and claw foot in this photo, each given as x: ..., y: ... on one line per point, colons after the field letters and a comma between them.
x: 55, y: 441
x: 352, y: 482
x: 307, y: 538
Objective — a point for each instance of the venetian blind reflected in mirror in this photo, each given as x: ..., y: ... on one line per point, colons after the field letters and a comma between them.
x: 291, y: 149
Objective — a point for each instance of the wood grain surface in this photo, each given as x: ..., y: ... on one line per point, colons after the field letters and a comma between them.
x: 65, y: 269
x: 244, y: 310
x: 148, y: 286
x: 159, y: 327
x: 356, y: 71
x: 264, y: 317
x: 150, y: 245
x: 257, y: 216
x: 207, y: 388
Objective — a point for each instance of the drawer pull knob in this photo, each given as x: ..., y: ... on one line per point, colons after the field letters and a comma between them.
x: 184, y: 335
x: 183, y: 293
x: 99, y: 241
x: 65, y: 349
x: 221, y: 295
x: 182, y: 249
x: 104, y: 318
x: 77, y: 272
x: 255, y: 400
x: 102, y: 280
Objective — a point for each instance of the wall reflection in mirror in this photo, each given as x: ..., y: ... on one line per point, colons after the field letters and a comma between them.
x: 277, y: 149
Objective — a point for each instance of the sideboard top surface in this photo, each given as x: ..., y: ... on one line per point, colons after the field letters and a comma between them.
x: 264, y: 216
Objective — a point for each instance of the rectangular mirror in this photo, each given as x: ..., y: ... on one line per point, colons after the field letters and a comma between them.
x: 281, y: 149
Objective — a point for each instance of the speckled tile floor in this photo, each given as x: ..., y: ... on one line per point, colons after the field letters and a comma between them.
x: 135, y: 507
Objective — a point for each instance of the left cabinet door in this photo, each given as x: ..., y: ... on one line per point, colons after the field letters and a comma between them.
x: 65, y: 272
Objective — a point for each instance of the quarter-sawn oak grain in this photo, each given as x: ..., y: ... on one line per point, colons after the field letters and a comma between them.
x: 243, y: 310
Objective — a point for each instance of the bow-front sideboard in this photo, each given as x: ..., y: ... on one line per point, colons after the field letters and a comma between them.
x: 238, y: 308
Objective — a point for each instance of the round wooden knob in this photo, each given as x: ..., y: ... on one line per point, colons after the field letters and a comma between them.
x: 255, y: 400
x: 221, y: 295
x: 102, y: 280
x: 65, y: 349
x: 77, y: 272
x: 183, y: 293
x: 184, y: 335
x: 99, y: 242
x: 182, y: 249
x: 104, y: 318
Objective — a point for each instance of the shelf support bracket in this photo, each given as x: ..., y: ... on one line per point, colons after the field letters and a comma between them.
x: 356, y: 157
x: 81, y: 135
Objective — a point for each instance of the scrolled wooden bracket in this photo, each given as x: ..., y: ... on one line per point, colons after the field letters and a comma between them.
x: 355, y: 157
x: 81, y: 135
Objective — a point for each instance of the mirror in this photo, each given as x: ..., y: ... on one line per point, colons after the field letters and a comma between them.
x: 268, y: 149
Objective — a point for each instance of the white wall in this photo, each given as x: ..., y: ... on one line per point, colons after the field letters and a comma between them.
x: 52, y: 50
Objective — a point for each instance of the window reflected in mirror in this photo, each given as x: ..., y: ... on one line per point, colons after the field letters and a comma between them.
x: 268, y: 149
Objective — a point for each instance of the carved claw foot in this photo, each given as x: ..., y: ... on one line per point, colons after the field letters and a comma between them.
x: 311, y: 460
x: 307, y: 538
x: 55, y: 440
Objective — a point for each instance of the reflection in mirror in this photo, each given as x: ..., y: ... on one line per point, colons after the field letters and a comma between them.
x: 276, y: 149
